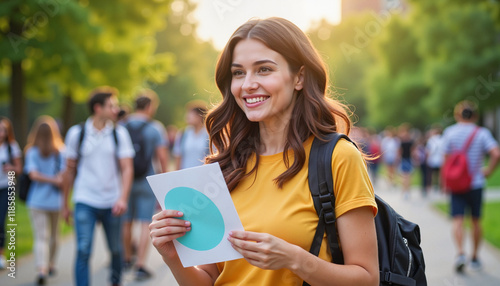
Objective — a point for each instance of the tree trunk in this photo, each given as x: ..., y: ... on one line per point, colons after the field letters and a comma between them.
x: 18, y: 102
x: 18, y: 107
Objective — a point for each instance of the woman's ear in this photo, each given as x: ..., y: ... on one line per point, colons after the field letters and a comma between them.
x: 299, y: 79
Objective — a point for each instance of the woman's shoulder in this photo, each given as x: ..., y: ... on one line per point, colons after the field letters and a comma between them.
x: 345, y: 149
x: 32, y: 153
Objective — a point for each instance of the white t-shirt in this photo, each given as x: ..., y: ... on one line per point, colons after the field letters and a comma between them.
x: 435, y: 151
x: 98, y: 179
x: 4, y: 158
x: 191, y: 147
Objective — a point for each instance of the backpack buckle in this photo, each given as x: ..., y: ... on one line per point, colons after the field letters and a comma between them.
x: 327, y: 207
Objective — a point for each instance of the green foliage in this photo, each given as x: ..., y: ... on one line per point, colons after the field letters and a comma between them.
x: 414, y: 67
x: 70, y: 47
x: 195, y: 62
x: 441, y: 53
x: 346, y: 51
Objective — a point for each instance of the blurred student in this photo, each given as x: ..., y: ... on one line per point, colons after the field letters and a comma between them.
x: 191, y: 145
x: 10, y: 158
x: 435, y: 157
x: 389, y: 148
x: 483, y: 143
x: 406, y: 153
x: 44, y: 165
x: 100, y: 165
x: 150, y: 144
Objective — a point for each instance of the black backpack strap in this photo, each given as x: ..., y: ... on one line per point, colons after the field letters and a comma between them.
x: 9, y: 152
x: 80, y: 141
x: 115, y: 137
x: 321, y: 186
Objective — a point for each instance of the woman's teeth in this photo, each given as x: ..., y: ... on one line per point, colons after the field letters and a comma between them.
x: 255, y: 99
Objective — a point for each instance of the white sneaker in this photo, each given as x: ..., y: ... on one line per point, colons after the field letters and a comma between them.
x: 3, y: 263
x: 460, y: 263
x: 475, y: 265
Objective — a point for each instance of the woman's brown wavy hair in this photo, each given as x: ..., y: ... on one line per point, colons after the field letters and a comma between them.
x: 235, y: 138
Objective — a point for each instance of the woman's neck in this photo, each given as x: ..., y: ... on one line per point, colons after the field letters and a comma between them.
x: 272, y: 140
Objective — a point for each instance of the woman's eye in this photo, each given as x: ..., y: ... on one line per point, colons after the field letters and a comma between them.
x: 265, y: 69
x: 237, y: 73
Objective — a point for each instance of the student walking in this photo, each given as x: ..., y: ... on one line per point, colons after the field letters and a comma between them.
x: 100, y: 169
x: 406, y: 155
x: 274, y: 89
x: 191, y: 144
x: 389, y: 146
x: 45, y: 166
x: 10, y: 158
x: 471, y: 201
x: 435, y: 157
x: 149, y: 138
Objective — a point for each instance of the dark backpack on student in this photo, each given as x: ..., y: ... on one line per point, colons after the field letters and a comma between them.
x: 455, y: 171
x: 401, y: 260
x: 142, y: 160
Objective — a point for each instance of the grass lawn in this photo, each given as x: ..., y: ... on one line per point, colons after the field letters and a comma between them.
x: 490, y: 220
x: 24, y: 234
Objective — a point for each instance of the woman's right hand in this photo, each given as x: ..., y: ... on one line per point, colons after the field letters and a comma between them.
x: 166, y: 227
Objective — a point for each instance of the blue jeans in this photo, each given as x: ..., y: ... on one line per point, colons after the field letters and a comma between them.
x: 4, y: 204
x: 85, y: 220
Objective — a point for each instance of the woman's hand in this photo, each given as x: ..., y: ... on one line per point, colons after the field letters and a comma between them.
x: 263, y: 250
x: 166, y: 227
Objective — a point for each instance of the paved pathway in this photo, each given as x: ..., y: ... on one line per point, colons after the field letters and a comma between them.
x: 435, y: 227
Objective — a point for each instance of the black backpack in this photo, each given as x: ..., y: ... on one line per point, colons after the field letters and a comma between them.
x: 142, y: 160
x: 401, y: 260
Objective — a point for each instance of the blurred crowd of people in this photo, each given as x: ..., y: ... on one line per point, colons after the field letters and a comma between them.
x: 94, y: 165
x: 402, y: 151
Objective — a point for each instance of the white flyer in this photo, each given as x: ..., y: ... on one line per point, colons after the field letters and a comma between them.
x: 202, y: 195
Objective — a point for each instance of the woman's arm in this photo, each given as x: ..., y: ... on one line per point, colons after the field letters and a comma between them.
x: 166, y: 227
x: 55, y: 180
x: 16, y: 166
x: 359, y: 245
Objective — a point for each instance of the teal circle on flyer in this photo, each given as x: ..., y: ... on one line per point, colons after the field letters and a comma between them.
x: 207, y: 223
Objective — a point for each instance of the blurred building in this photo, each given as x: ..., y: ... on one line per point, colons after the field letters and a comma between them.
x: 352, y: 7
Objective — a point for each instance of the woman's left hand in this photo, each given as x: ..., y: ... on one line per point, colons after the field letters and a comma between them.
x: 263, y: 250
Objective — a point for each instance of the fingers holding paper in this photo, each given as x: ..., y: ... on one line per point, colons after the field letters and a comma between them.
x: 165, y: 227
x: 263, y: 250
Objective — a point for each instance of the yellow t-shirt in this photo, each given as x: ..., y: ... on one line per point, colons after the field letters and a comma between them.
x: 289, y: 213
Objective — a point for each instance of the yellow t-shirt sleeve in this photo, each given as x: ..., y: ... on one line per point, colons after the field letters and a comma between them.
x: 352, y: 185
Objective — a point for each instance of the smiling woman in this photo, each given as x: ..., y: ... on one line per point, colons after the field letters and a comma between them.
x: 263, y: 85
x: 275, y: 102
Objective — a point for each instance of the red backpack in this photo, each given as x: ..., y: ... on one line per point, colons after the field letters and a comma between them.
x: 455, y: 172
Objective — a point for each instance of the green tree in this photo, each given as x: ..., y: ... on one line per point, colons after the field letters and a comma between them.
x: 395, y: 86
x: 439, y: 54
x: 458, y: 42
x: 70, y: 47
x: 195, y: 61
